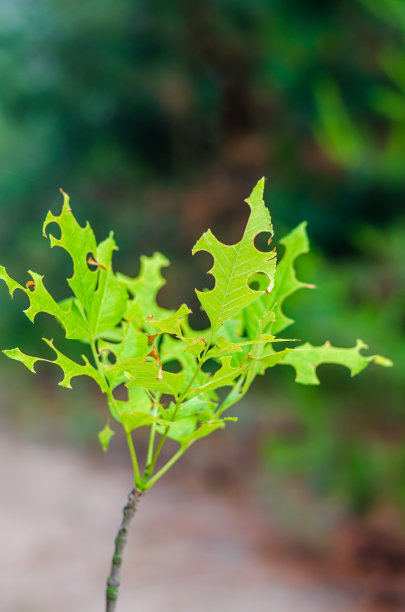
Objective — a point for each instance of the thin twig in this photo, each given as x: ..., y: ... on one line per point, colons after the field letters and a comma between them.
x: 113, y: 580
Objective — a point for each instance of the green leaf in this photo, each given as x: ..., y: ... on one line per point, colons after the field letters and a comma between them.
x: 173, y: 349
x: 79, y: 242
x: 235, y: 264
x: 285, y: 282
x: 70, y: 368
x: 224, y: 347
x: 306, y: 358
x: 198, y: 406
x: 10, y: 282
x: 148, y: 375
x: 201, y: 432
x: 40, y: 299
x: 133, y: 344
x: 133, y: 419
x: 172, y: 323
x: 222, y: 377
x: 146, y: 286
x: 136, y: 412
x: 109, y: 301
x: 105, y: 436
x: 180, y: 429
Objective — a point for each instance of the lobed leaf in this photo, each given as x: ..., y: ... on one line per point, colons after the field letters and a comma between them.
x: 109, y: 301
x: 235, y: 264
x: 285, y: 282
x: 306, y: 358
x: 222, y: 377
x: 172, y: 323
x: 70, y: 368
x: 41, y: 301
x: 145, y: 288
x: 148, y: 375
x: 79, y: 242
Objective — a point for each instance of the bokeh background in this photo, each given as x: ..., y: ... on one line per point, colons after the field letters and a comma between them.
x: 158, y: 118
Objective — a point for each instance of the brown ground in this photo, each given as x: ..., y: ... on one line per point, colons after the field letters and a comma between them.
x: 191, y: 549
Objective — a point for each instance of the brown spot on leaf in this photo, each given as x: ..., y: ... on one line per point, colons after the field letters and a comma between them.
x: 154, y: 353
x: 92, y: 261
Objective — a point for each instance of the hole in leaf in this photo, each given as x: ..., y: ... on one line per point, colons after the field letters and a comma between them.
x: 91, y: 262
x: 261, y: 242
x: 258, y: 281
x: 211, y: 366
x: 121, y: 393
x: 53, y: 229
x: 165, y: 400
x: 111, y: 357
x: 202, y: 279
x: 30, y: 285
x: 174, y: 366
x: 198, y: 319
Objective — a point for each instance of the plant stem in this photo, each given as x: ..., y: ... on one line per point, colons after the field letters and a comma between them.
x: 164, y: 469
x: 151, y: 464
x: 133, y: 457
x: 113, y: 580
x: 152, y: 436
x: 111, y: 397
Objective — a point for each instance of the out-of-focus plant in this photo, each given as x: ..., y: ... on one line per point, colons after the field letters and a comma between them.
x: 378, y: 151
x: 343, y: 444
x: 175, y: 376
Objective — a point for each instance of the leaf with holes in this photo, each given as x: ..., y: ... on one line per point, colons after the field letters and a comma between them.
x: 70, y: 368
x: 235, y: 264
x: 306, y: 358
x: 178, y: 381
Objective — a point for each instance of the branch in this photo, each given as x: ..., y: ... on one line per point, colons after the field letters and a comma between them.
x: 113, y: 580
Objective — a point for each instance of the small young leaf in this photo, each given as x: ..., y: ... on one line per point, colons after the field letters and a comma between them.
x: 105, y: 436
x: 172, y: 323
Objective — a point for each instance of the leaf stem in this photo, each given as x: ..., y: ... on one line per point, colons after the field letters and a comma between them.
x: 165, y: 468
x: 150, y: 466
x: 109, y: 393
x: 137, y: 476
x: 152, y: 434
x: 198, y: 368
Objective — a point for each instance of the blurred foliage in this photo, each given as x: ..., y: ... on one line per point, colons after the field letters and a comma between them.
x: 148, y: 109
x: 347, y: 441
x: 371, y: 144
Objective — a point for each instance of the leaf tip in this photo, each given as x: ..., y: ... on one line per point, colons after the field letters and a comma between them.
x: 66, y: 200
x: 383, y: 361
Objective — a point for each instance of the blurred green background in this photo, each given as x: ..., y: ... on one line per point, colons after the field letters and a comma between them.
x: 158, y: 118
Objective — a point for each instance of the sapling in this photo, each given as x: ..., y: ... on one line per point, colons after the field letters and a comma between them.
x: 130, y: 339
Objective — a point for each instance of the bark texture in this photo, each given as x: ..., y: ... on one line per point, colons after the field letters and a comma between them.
x: 113, y: 580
